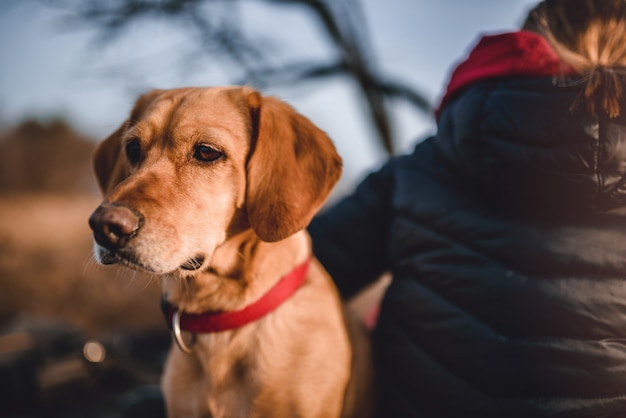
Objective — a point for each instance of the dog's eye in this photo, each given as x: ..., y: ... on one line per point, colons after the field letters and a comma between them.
x: 133, y: 151
x: 207, y: 154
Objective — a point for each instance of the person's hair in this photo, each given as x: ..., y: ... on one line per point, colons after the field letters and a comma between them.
x: 534, y: 19
x: 590, y: 36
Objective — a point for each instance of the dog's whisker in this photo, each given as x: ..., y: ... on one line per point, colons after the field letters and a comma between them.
x: 89, y: 264
x: 241, y: 255
x: 150, y: 280
x: 186, y: 286
x: 131, y: 281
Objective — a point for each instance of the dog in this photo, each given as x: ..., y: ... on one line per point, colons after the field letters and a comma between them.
x: 211, y: 189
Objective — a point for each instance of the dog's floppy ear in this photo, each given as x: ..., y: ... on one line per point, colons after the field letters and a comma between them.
x: 108, y: 164
x: 108, y: 160
x: 291, y: 170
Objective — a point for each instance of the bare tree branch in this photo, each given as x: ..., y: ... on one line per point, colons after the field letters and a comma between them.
x: 215, y: 26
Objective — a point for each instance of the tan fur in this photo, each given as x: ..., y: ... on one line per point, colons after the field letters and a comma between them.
x: 245, y: 214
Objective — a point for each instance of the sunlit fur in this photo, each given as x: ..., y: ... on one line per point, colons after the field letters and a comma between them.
x: 245, y: 215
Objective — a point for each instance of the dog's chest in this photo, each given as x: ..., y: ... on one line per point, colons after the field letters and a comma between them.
x: 230, y: 374
x: 251, y: 377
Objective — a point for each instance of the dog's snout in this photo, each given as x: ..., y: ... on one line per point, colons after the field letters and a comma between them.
x: 114, y: 225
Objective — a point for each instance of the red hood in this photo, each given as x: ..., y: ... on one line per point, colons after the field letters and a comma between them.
x: 515, y: 54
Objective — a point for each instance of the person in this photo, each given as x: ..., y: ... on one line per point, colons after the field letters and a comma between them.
x: 505, y: 232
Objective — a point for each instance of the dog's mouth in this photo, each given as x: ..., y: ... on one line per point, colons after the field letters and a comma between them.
x: 193, y: 263
x: 123, y: 258
x: 128, y: 259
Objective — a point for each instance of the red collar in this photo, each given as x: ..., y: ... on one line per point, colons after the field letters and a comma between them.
x: 216, y: 321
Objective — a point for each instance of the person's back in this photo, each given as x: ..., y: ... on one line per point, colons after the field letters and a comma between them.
x: 505, y: 233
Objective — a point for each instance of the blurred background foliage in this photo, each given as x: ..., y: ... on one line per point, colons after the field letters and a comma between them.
x: 78, y: 339
x: 45, y: 156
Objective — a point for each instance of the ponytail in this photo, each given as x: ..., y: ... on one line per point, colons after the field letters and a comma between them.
x: 590, y: 37
x: 603, y: 88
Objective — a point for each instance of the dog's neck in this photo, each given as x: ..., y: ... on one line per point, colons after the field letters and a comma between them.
x: 241, y: 270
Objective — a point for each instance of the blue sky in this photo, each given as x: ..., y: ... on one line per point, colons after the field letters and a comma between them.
x: 48, y: 69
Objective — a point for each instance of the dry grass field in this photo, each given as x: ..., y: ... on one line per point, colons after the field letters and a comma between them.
x: 47, y: 192
x: 54, y: 299
x: 47, y: 270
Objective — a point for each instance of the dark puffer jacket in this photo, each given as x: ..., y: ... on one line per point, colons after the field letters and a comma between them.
x: 506, y: 237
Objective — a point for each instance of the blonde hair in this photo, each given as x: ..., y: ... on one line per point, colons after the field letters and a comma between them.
x: 590, y: 36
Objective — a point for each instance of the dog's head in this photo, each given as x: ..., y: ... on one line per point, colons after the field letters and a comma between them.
x: 191, y: 167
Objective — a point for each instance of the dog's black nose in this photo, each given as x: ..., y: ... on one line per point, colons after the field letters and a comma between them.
x: 114, y: 225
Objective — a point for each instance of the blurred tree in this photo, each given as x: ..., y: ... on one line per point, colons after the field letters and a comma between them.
x: 216, y: 26
x: 45, y: 157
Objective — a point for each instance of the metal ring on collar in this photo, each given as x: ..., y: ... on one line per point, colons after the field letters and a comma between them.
x: 178, y: 334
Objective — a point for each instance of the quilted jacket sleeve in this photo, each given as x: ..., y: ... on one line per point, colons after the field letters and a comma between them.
x: 351, y: 238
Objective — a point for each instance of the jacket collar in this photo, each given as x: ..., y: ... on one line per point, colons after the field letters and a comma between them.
x: 514, y: 54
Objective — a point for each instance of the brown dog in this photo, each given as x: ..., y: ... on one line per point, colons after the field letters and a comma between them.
x: 211, y: 189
